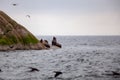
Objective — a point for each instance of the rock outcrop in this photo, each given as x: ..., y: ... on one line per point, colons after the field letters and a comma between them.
x: 14, y: 36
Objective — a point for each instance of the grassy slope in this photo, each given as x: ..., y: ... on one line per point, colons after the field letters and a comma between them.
x: 10, y: 33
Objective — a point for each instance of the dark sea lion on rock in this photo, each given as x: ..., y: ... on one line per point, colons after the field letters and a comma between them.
x: 45, y: 42
x: 54, y: 42
x: 58, y: 45
x: 41, y: 41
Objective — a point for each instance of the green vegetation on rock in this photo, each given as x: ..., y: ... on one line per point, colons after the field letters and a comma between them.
x: 4, y: 41
x: 12, y: 33
x: 29, y: 39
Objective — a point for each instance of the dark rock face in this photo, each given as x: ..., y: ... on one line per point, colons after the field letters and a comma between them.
x: 14, y: 36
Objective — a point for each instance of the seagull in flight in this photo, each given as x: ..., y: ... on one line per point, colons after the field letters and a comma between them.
x: 57, y: 73
x: 33, y: 69
x: 0, y: 70
x: 14, y: 4
x: 28, y: 16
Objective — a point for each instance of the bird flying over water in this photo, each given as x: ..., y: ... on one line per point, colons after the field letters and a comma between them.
x: 33, y: 69
x: 28, y: 16
x: 0, y: 70
x: 57, y: 73
x: 14, y: 4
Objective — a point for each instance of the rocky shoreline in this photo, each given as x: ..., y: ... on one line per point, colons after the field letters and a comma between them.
x: 14, y: 36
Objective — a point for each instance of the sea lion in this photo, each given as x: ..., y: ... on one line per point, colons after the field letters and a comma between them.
x: 55, y: 43
x: 46, y: 44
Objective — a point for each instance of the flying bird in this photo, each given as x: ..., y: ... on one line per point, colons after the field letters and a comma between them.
x: 115, y: 73
x: 28, y: 16
x: 0, y: 70
x: 112, y: 73
x: 14, y: 4
x: 57, y: 73
x: 33, y: 69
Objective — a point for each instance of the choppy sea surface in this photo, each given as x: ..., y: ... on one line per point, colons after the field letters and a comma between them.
x: 80, y: 58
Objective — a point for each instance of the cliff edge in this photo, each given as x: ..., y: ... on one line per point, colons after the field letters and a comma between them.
x: 14, y: 36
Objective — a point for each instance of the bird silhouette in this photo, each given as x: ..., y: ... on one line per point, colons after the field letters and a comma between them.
x: 33, y: 69
x: 0, y: 70
x: 14, y: 4
x: 112, y: 73
x: 57, y: 73
x: 115, y: 73
x: 28, y: 16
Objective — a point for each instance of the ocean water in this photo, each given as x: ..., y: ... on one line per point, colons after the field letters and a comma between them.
x: 85, y: 40
x: 80, y: 58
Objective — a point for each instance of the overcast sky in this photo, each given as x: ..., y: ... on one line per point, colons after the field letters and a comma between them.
x: 66, y: 17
